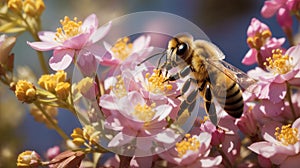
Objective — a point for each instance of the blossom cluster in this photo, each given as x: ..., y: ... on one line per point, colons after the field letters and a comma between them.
x: 132, y: 109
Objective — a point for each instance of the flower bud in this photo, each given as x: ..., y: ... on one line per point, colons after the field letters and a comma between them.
x: 25, y: 91
x: 33, y: 7
x: 28, y: 159
x: 62, y: 90
x: 15, y: 5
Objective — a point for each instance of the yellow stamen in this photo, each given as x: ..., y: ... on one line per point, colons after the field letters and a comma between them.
x: 70, y: 28
x: 122, y: 48
x: 156, y: 82
x: 278, y: 63
x: 287, y: 135
x: 144, y: 112
x: 259, y: 39
x: 205, y: 118
x: 119, y: 89
x: 188, y: 143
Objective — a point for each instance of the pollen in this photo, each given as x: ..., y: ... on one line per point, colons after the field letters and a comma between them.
x: 122, y: 48
x: 156, y: 82
x: 205, y: 118
x: 70, y: 28
x: 287, y: 135
x: 119, y: 89
x: 188, y: 143
x: 278, y: 63
x: 144, y: 112
x: 259, y: 39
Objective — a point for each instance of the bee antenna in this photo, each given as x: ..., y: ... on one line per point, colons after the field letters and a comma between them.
x: 151, y: 57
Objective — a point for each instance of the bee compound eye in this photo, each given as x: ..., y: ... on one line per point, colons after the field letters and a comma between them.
x: 181, y: 49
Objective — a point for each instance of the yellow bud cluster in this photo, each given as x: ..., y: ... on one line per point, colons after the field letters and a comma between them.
x: 31, y: 8
x: 28, y: 159
x: 25, y: 91
x: 55, y: 83
x: 88, y: 133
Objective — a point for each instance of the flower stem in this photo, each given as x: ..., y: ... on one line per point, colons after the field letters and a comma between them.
x: 289, y: 97
x: 260, y: 61
x: 55, y: 126
x: 289, y: 35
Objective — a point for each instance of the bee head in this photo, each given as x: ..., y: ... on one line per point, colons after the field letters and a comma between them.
x: 179, y: 46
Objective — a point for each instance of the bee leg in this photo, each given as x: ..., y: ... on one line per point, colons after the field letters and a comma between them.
x: 183, y: 73
x: 187, y: 85
x: 209, y: 105
x: 190, y: 101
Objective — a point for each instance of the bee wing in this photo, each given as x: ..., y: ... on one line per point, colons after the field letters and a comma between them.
x: 241, y: 78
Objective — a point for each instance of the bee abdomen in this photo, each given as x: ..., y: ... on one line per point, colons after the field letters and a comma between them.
x: 234, y: 103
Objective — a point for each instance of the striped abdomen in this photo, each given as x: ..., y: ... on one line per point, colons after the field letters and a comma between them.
x: 233, y: 103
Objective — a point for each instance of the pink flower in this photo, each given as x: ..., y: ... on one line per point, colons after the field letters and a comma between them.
x: 260, y: 42
x: 282, y: 68
x: 247, y: 123
x: 218, y: 135
x: 192, y: 151
x: 271, y: 7
x: 123, y: 49
x: 70, y: 39
x: 282, y: 8
x: 133, y: 118
x: 147, y: 81
x: 52, y: 152
x: 293, y: 5
x: 88, y: 63
x: 281, y: 145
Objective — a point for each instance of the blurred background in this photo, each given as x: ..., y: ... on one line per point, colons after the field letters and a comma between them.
x: 225, y: 23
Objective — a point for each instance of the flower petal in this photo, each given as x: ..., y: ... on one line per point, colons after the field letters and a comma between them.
x: 90, y: 23
x: 100, y: 33
x: 43, y: 46
x: 61, y: 59
x: 263, y: 148
x: 270, y: 8
x: 47, y: 36
x: 162, y: 111
x: 119, y: 140
x: 250, y: 57
x: 77, y: 42
x: 211, y: 161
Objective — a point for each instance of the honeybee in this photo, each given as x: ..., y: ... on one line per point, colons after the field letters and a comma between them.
x: 215, y: 78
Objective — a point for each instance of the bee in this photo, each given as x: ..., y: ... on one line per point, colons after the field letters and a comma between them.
x: 218, y: 81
